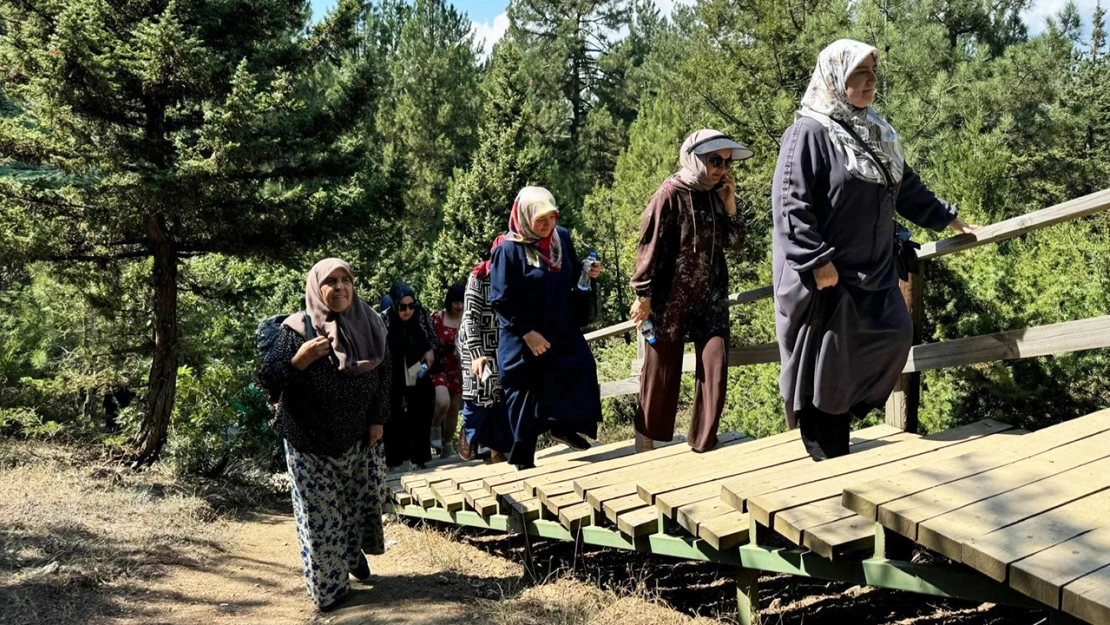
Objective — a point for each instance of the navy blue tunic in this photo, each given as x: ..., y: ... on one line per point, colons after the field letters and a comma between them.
x: 556, y: 390
x: 844, y: 347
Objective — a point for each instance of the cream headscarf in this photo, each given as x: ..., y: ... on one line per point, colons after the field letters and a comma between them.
x: 533, y: 202
x: 357, y: 334
x: 826, y: 100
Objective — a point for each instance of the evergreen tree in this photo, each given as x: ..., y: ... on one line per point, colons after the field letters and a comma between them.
x: 509, y: 157
x: 183, y: 128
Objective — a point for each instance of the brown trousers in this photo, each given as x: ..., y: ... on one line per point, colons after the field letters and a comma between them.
x: 661, y: 380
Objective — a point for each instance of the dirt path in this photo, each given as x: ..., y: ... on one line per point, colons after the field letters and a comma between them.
x: 255, y: 577
x: 89, y: 544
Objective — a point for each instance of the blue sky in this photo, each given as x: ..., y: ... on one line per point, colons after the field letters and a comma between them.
x: 478, y: 10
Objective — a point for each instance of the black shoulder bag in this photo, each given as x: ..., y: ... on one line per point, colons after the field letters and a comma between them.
x: 905, y: 250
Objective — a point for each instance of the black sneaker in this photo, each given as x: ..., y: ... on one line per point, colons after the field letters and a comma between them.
x: 573, y: 440
x: 362, y: 571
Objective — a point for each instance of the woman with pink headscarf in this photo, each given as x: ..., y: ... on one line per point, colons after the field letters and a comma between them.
x: 547, y: 372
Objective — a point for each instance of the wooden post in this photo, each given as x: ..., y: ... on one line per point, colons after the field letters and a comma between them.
x: 747, y: 595
x: 901, y: 408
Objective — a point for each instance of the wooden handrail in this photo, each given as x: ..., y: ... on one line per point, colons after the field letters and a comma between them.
x: 994, y: 233
x: 1017, y: 226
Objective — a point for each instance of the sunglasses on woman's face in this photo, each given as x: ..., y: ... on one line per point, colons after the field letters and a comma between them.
x: 716, y: 160
x: 404, y: 307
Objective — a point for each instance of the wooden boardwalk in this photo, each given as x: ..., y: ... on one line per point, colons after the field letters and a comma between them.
x: 1032, y: 511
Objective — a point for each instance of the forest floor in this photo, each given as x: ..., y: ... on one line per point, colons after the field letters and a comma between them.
x: 84, y: 541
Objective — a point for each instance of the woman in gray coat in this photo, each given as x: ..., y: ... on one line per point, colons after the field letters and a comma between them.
x: 843, y: 328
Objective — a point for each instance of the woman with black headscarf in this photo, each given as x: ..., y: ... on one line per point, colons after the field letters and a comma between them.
x: 326, y: 366
x: 411, y: 343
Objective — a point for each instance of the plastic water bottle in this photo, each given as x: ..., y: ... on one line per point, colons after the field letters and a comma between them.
x: 584, y: 280
x: 648, y: 330
x: 423, y: 370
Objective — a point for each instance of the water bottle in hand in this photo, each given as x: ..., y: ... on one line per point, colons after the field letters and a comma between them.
x: 423, y: 370
x: 584, y: 279
x: 648, y: 330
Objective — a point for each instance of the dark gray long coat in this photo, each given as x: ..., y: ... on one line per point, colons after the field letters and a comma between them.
x: 844, y: 347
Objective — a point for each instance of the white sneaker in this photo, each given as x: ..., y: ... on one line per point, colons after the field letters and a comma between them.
x: 406, y: 466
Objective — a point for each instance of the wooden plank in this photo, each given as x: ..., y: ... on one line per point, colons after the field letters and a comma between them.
x: 792, y: 523
x: 1017, y: 226
x: 946, y: 533
x: 545, y: 456
x: 577, y: 459
x: 620, y: 388
x: 737, y: 357
x: 1044, y: 574
x: 574, y: 517
x: 726, y: 531
x: 558, y: 493
x: 424, y: 497
x: 561, y: 501
x: 768, y: 489
x: 757, y: 454
x: 992, y: 553
x: 689, y: 517
x: 906, y: 514
x: 485, y: 506
x: 528, y: 509
x: 449, y: 497
x: 1058, y: 338
x: 847, y: 535
x: 933, y: 449
x: 618, y: 329
x: 564, y: 478
x: 639, y: 522
x: 669, y: 503
x: 656, y: 461
x: 616, y: 507
x: 736, y: 489
x: 1089, y: 597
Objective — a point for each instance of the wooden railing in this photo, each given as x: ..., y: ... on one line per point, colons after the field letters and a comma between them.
x: 901, y: 410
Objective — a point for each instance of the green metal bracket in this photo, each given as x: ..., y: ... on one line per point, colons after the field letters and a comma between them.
x: 747, y: 596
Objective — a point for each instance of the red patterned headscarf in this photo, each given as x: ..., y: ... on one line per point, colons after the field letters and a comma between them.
x: 533, y: 202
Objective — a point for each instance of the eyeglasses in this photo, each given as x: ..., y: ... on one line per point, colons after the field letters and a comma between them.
x: 404, y: 307
x: 716, y: 160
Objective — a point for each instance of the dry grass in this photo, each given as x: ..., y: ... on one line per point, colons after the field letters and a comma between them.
x: 568, y: 601
x: 76, y: 536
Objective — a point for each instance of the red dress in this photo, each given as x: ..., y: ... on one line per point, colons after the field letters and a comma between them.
x: 450, y: 373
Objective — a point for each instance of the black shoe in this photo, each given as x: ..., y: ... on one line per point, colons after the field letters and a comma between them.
x: 362, y: 571
x: 339, y: 602
x: 573, y: 440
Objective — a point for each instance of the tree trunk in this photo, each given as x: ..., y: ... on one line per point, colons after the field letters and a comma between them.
x: 163, y: 367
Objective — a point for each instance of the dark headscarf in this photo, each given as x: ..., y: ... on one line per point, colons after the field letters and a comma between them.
x: 406, y: 337
x: 357, y: 335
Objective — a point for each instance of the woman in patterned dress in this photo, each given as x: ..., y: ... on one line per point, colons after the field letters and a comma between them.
x: 448, y: 377
x: 326, y: 366
x: 485, y: 420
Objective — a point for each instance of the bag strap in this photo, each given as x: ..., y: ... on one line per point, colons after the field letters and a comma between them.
x: 309, y: 331
x: 863, y: 144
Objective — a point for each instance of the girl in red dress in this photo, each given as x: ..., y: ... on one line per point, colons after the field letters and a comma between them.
x: 448, y: 376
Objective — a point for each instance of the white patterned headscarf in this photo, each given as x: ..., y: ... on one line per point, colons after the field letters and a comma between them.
x: 826, y: 100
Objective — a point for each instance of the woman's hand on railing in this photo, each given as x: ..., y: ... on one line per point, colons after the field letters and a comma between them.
x: 640, y: 311
x: 537, y: 343
x: 826, y: 276
x: 962, y: 226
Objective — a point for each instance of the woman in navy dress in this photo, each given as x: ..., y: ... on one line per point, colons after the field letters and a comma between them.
x: 547, y: 371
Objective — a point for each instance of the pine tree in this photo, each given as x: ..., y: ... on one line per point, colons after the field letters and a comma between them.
x: 183, y: 128
x: 508, y: 158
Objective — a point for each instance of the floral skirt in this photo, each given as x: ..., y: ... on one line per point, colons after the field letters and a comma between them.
x: 337, y: 503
